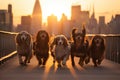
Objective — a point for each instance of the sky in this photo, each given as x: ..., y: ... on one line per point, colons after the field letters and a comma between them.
x: 105, y: 8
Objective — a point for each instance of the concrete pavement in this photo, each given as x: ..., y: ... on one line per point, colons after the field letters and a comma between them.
x: 11, y: 70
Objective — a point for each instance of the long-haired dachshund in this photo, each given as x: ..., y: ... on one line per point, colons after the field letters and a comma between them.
x: 79, y: 47
x: 97, y: 49
x: 41, y: 47
x: 60, y: 49
x: 24, y: 47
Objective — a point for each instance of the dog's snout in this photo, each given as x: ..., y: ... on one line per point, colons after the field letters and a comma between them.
x: 78, y: 37
x: 97, y: 41
x: 43, y: 36
x: 23, y: 37
x: 60, y: 42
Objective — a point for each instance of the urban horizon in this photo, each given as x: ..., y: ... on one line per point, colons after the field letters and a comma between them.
x: 66, y: 9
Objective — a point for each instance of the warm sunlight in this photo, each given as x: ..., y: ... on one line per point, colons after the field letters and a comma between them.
x: 57, y: 7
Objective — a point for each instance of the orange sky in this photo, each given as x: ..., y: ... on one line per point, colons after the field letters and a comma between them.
x: 105, y: 8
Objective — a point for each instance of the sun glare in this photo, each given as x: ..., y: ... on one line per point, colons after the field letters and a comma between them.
x: 57, y: 8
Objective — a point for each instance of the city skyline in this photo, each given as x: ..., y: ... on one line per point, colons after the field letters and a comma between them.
x: 63, y: 6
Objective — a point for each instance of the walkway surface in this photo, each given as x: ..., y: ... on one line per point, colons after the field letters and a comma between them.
x: 11, y: 70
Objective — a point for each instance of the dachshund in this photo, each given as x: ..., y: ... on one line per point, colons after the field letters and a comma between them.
x: 41, y: 47
x: 24, y: 46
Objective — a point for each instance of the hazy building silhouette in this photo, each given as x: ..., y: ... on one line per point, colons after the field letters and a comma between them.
x: 25, y: 24
x: 52, y: 25
x: 79, y: 17
x: 65, y: 27
x: 114, y: 24
x: 62, y: 21
x: 102, y: 26
x: 11, y: 16
x: 6, y: 19
x: 92, y: 26
x: 36, y: 18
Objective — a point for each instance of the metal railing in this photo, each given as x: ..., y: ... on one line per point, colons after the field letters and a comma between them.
x: 113, y: 47
x: 7, y: 44
x: 112, y: 41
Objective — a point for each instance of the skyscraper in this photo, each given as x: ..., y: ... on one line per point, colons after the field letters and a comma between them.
x: 78, y: 16
x: 11, y: 16
x: 36, y: 17
x: 52, y: 24
x: 6, y: 19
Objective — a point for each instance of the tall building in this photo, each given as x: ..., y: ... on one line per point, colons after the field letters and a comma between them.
x: 6, y: 19
x: 79, y: 17
x: 52, y: 25
x: 11, y: 16
x: 36, y: 18
x: 25, y: 24
x: 102, y: 26
x: 64, y: 26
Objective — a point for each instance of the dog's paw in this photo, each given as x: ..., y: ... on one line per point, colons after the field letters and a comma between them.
x: 39, y: 63
x: 99, y: 62
x: 95, y: 65
x: 87, y: 60
x: 21, y: 63
x: 81, y: 64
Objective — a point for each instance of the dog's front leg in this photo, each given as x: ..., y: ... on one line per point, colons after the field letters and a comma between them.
x: 94, y: 62
x: 25, y: 60
x: 81, y: 61
x: 20, y: 59
x: 72, y: 59
x: 45, y: 59
x: 64, y: 60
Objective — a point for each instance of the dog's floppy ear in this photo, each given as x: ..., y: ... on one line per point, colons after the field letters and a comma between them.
x: 37, y: 37
x: 65, y: 41
x: 29, y: 38
x: 54, y: 41
x: 84, y: 30
x: 73, y: 34
x: 93, y: 40
x: 18, y: 38
x: 47, y: 36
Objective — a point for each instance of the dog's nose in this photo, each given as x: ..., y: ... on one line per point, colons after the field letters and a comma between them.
x: 43, y: 36
x: 60, y: 43
x: 79, y: 38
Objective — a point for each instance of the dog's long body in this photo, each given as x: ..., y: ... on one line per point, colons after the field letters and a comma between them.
x: 24, y: 47
x: 79, y: 47
x: 41, y: 47
x: 97, y: 49
x: 60, y: 49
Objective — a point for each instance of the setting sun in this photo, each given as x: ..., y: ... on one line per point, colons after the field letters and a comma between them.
x: 56, y: 7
